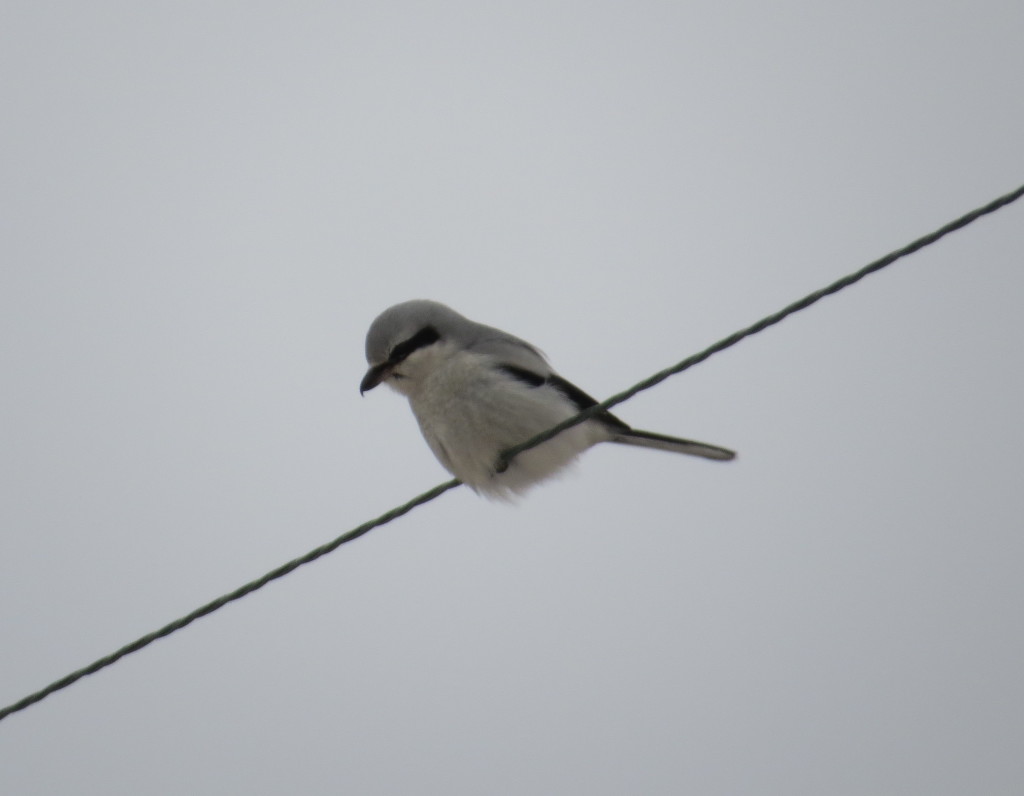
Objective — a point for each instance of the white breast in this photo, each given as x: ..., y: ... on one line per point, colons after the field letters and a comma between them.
x: 470, y: 412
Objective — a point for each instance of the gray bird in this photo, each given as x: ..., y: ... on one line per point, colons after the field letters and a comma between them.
x: 477, y: 391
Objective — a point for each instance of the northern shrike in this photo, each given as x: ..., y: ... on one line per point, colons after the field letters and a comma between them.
x: 477, y: 391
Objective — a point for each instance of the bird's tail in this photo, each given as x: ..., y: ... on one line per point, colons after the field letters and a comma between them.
x: 648, y: 439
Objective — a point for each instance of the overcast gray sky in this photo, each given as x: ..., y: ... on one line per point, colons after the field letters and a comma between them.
x: 204, y: 205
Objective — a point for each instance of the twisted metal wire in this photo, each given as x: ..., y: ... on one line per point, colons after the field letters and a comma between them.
x: 507, y: 456
x: 223, y: 600
x: 764, y: 323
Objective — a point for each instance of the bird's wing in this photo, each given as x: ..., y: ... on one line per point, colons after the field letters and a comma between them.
x: 579, y: 398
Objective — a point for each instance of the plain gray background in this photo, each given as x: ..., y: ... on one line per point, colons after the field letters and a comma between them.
x: 205, y: 204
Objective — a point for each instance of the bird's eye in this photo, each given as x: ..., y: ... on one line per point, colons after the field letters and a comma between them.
x: 424, y: 337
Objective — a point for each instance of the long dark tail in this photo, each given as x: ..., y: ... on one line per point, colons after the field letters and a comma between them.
x: 648, y: 439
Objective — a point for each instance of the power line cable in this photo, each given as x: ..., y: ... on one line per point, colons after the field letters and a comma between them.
x: 439, y: 490
x: 764, y: 323
x: 223, y: 600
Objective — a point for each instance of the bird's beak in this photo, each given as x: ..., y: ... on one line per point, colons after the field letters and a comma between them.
x: 374, y: 376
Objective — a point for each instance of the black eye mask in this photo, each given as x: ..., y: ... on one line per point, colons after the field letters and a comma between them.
x: 424, y: 337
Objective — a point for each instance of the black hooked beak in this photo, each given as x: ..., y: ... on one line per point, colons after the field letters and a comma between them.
x: 374, y: 376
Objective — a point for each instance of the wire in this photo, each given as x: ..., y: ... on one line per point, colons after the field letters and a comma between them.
x: 223, y: 600
x: 764, y: 323
x: 439, y: 490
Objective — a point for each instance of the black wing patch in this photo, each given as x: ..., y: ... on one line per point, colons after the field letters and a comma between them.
x: 523, y: 375
x: 568, y: 389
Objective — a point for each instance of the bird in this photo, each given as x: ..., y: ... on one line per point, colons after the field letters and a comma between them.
x: 477, y: 391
